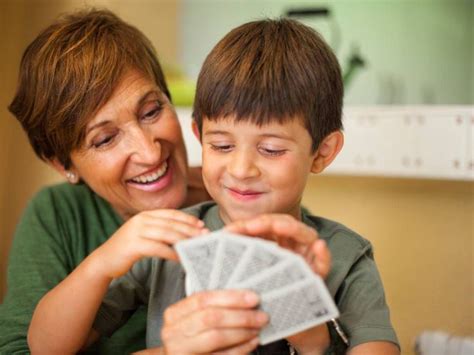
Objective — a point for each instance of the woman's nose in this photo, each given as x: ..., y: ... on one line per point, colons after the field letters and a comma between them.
x: 146, y: 147
x: 242, y: 165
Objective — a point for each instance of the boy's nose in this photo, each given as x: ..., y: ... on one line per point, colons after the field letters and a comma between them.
x: 242, y: 166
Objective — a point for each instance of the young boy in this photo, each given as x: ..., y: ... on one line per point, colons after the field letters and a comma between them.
x: 268, y: 113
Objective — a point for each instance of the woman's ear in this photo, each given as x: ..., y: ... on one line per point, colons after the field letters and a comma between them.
x: 327, y: 151
x: 70, y: 175
x: 196, y: 130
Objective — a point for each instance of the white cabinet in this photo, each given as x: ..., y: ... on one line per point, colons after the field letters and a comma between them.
x: 411, y: 141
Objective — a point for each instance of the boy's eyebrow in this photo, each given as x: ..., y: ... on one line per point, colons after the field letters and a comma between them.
x: 215, y: 132
x: 266, y: 135
x: 277, y: 135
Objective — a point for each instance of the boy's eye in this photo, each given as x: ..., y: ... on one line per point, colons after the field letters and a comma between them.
x: 272, y: 152
x: 221, y: 147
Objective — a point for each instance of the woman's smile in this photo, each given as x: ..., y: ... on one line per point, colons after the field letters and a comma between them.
x: 154, y: 180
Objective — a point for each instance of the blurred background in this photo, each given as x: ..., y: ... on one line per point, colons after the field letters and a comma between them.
x: 408, y: 63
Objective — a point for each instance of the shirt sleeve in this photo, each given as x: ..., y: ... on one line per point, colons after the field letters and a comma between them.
x: 124, y: 296
x: 361, y: 301
x: 38, y: 261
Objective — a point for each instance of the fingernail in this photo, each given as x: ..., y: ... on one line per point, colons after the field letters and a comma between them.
x: 255, y: 340
x: 251, y: 298
x: 262, y: 318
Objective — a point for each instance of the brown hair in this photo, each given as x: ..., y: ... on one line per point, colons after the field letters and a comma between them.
x: 70, y: 71
x: 272, y: 70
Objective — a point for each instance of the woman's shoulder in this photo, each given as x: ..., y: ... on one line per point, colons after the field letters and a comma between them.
x: 68, y: 201
x: 62, y: 191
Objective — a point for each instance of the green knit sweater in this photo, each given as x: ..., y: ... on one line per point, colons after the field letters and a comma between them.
x: 60, y: 227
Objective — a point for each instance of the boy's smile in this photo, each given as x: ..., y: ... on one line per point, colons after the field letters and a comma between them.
x: 250, y: 169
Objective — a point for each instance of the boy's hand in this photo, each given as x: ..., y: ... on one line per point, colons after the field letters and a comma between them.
x: 223, y: 321
x: 147, y: 234
x: 291, y: 234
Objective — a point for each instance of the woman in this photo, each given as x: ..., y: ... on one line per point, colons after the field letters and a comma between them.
x: 94, y: 103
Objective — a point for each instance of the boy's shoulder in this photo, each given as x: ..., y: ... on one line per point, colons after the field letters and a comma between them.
x: 338, y: 236
x: 199, y: 210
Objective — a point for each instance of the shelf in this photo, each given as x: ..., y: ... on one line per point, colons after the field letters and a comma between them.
x: 434, y: 142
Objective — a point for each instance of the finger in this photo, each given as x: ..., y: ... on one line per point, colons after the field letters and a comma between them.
x: 152, y: 248
x: 322, y: 258
x: 176, y: 215
x: 217, y: 339
x: 244, y: 348
x: 276, y: 225
x: 221, y: 318
x: 160, y: 229
x: 217, y: 298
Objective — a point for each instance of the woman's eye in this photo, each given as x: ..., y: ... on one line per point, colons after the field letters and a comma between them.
x: 103, y: 141
x: 221, y: 148
x: 152, y: 113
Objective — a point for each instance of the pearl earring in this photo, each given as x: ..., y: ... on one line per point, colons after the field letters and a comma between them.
x: 71, y: 176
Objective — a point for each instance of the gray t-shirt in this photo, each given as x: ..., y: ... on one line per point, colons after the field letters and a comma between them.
x: 353, y: 282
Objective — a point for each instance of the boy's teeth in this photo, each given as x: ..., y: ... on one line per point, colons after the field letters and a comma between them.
x: 143, y: 179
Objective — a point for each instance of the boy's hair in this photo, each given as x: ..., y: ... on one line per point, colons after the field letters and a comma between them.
x: 272, y: 70
x: 70, y: 71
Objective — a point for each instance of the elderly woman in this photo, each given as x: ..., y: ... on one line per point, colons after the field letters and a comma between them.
x: 94, y: 103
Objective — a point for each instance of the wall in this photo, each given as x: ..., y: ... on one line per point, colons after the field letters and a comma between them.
x: 416, y: 51
x: 22, y: 173
x: 422, y: 232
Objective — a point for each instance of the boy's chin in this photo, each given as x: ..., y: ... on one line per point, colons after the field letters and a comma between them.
x: 242, y: 215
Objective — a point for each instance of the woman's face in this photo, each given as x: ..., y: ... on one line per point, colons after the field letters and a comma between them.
x: 134, y: 155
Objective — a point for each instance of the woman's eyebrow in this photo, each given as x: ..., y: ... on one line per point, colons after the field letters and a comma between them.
x: 97, y: 125
x: 145, y: 96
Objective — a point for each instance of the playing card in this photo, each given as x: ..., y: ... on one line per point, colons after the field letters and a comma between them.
x: 259, y: 256
x: 293, y: 296
x: 281, y: 275
x: 197, y: 256
x: 229, y: 253
x: 298, y: 307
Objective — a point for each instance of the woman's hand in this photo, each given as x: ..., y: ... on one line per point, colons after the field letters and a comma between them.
x: 294, y: 235
x: 79, y: 295
x: 291, y: 234
x: 223, y: 321
x: 147, y: 234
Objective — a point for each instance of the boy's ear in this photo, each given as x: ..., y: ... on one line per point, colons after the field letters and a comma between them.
x: 327, y: 151
x: 196, y: 130
x: 70, y: 175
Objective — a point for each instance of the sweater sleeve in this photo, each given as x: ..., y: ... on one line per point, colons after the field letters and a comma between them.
x: 124, y: 296
x: 38, y: 261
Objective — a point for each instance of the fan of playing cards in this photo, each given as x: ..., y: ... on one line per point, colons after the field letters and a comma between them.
x: 292, y: 295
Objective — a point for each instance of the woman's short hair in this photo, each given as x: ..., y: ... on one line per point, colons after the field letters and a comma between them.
x: 70, y: 71
x: 270, y: 70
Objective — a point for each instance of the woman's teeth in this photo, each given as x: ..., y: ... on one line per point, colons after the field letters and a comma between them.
x: 147, y: 178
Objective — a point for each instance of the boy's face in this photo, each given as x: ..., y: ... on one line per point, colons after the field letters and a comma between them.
x: 249, y: 170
